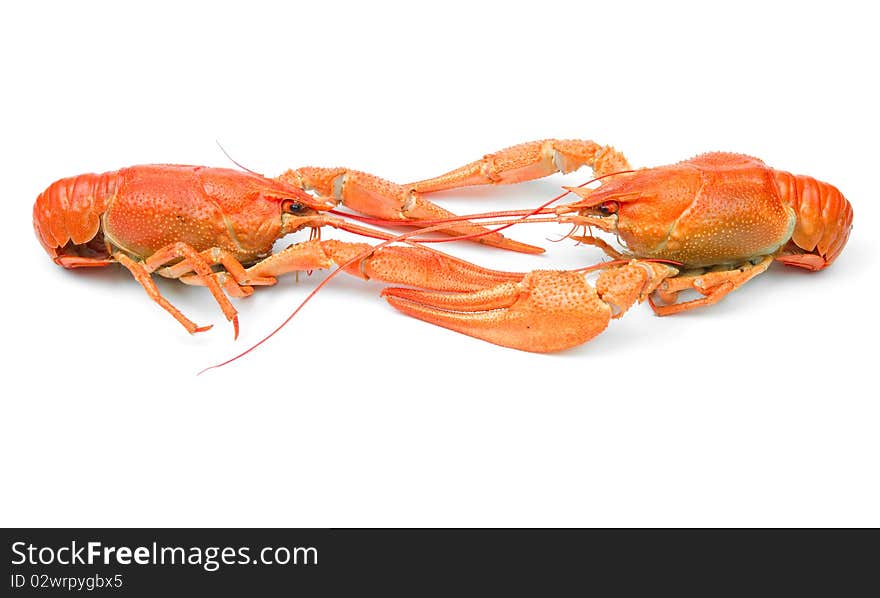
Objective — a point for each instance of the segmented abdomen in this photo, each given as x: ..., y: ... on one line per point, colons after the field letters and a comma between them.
x: 70, y: 209
x: 824, y: 219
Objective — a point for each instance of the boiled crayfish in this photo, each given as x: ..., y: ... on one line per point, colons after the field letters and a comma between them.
x: 216, y: 227
x: 708, y: 224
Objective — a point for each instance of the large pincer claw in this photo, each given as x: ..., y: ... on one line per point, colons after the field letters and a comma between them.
x: 546, y: 311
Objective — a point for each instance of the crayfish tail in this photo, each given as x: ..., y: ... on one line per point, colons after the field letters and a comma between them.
x: 824, y: 221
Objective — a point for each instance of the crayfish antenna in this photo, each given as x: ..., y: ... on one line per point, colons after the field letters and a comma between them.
x: 234, y: 161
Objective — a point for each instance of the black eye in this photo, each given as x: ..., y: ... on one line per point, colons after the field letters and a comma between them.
x: 608, y: 207
x: 291, y: 207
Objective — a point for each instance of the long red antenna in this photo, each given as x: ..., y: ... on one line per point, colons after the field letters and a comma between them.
x: 233, y: 160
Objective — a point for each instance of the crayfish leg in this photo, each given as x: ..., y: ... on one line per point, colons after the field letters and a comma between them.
x: 217, y: 256
x: 143, y: 277
x: 609, y: 250
x: 176, y: 251
x: 714, y: 286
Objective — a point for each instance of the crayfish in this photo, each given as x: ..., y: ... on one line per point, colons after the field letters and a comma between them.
x: 708, y: 224
x: 216, y: 227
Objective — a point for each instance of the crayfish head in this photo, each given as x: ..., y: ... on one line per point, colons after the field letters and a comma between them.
x: 641, y: 208
x: 293, y: 208
x: 298, y: 209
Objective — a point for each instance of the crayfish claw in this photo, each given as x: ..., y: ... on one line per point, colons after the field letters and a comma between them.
x: 546, y: 311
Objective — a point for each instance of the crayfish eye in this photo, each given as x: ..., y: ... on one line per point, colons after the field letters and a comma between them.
x: 289, y: 206
x: 607, y: 208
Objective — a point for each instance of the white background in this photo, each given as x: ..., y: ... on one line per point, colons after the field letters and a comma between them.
x: 761, y: 410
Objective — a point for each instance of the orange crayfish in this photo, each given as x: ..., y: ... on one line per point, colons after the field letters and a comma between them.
x: 708, y: 224
x: 216, y: 227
